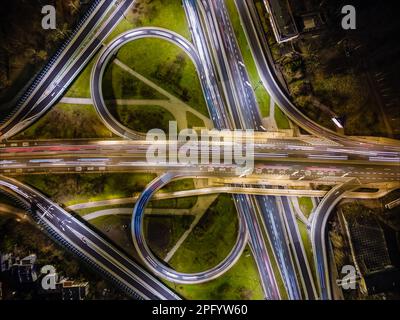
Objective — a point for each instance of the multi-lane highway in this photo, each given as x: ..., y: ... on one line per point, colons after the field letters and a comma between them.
x: 300, y: 256
x: 249, y: 117
x: 274, y: 225
x: 216, y: 103
x: 67, y: 65
x: 281, y: 162
x: 108, y: 156
x: 238, y: 88
x: 201, y: 16
x: 88, y: 245
x: 265, y: 65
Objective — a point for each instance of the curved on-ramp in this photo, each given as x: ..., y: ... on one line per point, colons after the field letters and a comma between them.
x: 265, y: 66
x: 157, y: 266
x: 109, y: 53
x: 88, y: 245
x: 318, y: 234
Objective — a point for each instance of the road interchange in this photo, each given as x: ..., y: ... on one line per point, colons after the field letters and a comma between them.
x: 352, y: 158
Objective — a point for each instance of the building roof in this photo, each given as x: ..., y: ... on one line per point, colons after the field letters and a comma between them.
x: 74, y: 290
x: 283, y: 23
x: 370, y: 249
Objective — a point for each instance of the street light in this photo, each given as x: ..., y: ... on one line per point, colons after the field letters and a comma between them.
x: 337, y: 122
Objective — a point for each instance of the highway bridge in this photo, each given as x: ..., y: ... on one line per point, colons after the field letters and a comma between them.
x: 345, y: 164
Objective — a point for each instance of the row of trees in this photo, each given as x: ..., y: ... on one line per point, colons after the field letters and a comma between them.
x: 24, y: 45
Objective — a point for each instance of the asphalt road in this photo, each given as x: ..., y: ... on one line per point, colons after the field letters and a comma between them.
x: 204, y: 22
x: 319, y: 235
x: 87, y: 244
x: 58, y: 79
x: 300, y: 257
x: 262, y: 56
x: 158, y: 267
x: 367, y: 161
x: 109, y: 52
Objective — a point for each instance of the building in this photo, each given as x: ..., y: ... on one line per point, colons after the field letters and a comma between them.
x: 73, y: 290
x: 282, y: 20
x: 372, y: 254
x: 311, y: 22
x: 66, y: 290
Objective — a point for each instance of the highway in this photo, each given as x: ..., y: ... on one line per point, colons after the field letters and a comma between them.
x: 88, y: 245
x: 319, y: 235
x: 278, y: 148
x: 274, y: 225
x: 158, y: 267
x: 120, y: 156
x: 300, y: 255
x: 67, y: 67
x: 216, y: 103
x: 200, y: 17
x: 241, y: 95
x: 109, y: 53
x: 247, y: 107
x: 348, y: 164
x: 260, y: 49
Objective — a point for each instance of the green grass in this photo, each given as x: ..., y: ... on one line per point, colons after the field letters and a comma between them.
x: 306, y: 205
x: 211, y: 240
x: 80, y: 88
x: 142, y: 118
x: 281, y: 120
x: 84, y: 212
x: 103, y: 222
x: 172, y: 70
x: 119, y: 84
x: 241, y: 282
x: 161, y: 13
x: 178, y: 203
x: 264, y: 108
x: 65, y: 121
x: 167, y: 14
x: 194, y: 121
x: 70, y: 189
x: 179, y: 185
x: 307, y: 246
x: 117, y: 229
x: 163, y: 231
x: 262, y: 95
